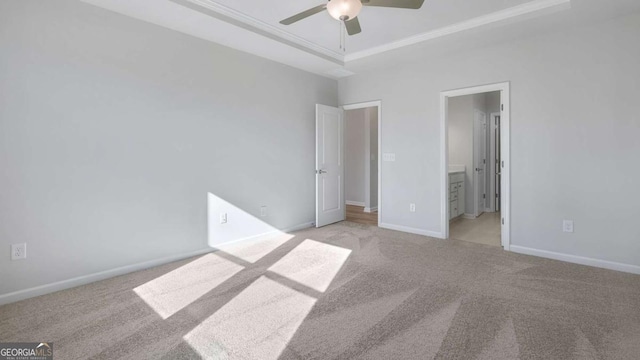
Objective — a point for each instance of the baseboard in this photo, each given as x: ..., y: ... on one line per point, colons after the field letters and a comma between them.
x: 354, y: 203
x: 268, y: 233
x: 370, y: 209
x: 411, y: 230
x: 102, y: 275
x: 634, y: 269
x: 299, y: 227
x: 86, y: 279
x: 469, y: 216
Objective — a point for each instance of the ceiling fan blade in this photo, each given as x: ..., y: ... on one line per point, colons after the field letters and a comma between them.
x: 353, y: 26
x: 304, y: 14
x: 403, y: 4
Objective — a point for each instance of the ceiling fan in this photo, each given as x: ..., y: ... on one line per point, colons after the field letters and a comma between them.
x: 347, y: 11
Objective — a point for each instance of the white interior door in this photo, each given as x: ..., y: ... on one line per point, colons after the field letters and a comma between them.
x: 330, y: 204
x: 480, y: 160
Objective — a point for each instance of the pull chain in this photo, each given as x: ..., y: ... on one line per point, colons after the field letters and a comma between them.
x: 341, y: 37
x: 344, y: 37
x: 343, y: 41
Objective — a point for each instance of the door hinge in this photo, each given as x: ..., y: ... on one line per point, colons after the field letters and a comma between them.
x: 483, y: 195
x: 502, y: 221
x: 502, y: 107
x: 502, y: 163
x: 484, y: 161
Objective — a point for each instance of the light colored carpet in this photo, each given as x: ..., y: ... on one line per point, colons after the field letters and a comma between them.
x: 346, y: 291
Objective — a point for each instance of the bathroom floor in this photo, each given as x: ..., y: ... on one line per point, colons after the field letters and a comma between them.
x: 485, y: 229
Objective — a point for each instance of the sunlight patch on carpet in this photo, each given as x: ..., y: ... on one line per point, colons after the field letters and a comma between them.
x: 256, y: 324
x: 255, y: 249
x: 176, y: 289
x: 312, y: 263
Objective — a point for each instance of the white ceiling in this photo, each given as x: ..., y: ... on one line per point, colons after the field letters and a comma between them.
x: 380, y: 25
x: 313, y: 43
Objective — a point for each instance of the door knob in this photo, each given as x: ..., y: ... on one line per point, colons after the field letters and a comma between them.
x: 321, y: 171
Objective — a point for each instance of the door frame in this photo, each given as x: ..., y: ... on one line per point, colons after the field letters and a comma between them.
x: 477, y: 211
x: 363, y: 105
x: 505, y: 121
x: 492, y: 163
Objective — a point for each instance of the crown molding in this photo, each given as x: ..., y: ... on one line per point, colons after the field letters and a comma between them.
x: 250, y: 23
x: 498, y: 16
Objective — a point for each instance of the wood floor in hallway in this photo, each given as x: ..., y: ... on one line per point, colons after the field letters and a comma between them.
x: 356, y: 214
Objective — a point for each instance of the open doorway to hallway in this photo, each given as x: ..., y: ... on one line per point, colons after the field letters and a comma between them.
x: 474, y: 167
x: 361, y: 164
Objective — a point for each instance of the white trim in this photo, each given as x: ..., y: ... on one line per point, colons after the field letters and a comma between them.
x: 475, y: 178
x: 263, y: 28
x: 498, y: 16
x: 492, y: 162
x: 354, y: 203
x: 411, y: 230
x: 505, y: 148
x: 268, y: 233
x: 299, y: 227
x: 275, y: 32
x: 362, y: 105
x: 634, y: 269
x: 86, y: 279
x: 367, y: 157
x: 370, y: 209
x: 378, y: 104
x: 469, y: 216
x: 106, y: 274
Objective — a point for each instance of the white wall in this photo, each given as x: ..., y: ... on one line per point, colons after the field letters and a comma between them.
x: 113, y: 132
x: 574, y: 131
x: 354, y: 155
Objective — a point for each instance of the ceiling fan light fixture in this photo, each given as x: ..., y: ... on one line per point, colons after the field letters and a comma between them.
x: 344, y: 10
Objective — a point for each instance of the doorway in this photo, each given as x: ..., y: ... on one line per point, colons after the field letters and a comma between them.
x: 331, y: 140
x: 361, y: 164
x: 475, y: 138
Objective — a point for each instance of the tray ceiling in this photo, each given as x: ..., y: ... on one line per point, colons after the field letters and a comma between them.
x: 313, y: 43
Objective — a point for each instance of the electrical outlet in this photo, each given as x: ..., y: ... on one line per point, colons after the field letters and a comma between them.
x: 223, y: 218
x: 263, y: 211
x: 412, y: 207
x: 567, y: 226
x: 19, y: 251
